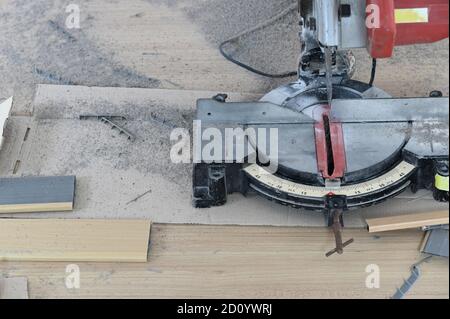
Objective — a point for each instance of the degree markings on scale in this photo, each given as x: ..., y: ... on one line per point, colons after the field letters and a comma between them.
x: 396, y: 174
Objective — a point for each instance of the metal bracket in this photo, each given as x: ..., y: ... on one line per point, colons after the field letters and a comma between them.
x: 411, y: 281
x: 335, y: 209
x: 121, y: 130
x: 109, y: 120
x: 85, y: 117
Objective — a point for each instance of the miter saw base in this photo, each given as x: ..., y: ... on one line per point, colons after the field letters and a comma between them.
x: 364, y: 150
x: 386, y: 145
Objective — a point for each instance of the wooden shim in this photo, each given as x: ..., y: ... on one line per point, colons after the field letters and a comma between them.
x: 74, y: 240
x: 407, y: 221
x: 37, y: 194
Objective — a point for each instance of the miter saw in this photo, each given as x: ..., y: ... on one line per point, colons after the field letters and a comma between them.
x: 342, y: 144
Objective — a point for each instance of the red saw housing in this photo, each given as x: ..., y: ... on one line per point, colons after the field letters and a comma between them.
x: 391, y: 32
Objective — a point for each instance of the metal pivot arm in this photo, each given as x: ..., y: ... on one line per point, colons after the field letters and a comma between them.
x: 336, y: 206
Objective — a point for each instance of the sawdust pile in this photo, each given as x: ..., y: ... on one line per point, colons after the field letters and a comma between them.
x: 36, y: 47
x: 272, y: 49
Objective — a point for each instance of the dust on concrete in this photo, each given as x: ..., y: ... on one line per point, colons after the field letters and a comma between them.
x: 150, y: 111
x: 36, y: 47
x: 80, y: 144
x: 273, y: 49
x: 66, y: 147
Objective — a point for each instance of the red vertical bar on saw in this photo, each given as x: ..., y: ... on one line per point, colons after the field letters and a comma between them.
x: 330, y: 147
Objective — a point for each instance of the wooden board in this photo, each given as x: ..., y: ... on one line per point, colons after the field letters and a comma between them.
x: 14, y: 288
x: 74, y: 240
x: 37, y: 194
x: 407, y: 221
x: 191, y: 261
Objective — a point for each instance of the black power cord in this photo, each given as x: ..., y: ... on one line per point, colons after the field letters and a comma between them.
x: 258, y: 27
x: 374, y: 72
x: 251, y: 69
x: 265, y: 74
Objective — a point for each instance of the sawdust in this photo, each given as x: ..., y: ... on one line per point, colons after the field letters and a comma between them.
x: 150, y: 122
x: 433, y: 133
x: 36, y: 47
x: 273, y: 49
x: 85, y: 142
x: 65, y: 147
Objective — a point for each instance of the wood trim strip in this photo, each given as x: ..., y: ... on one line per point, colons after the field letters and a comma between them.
x: 37, y: 194
x: 74, y: 240
x: 34, y: 208
x: 407, y: 221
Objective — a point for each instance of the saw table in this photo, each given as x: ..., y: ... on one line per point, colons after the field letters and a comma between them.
x: 378, y: 148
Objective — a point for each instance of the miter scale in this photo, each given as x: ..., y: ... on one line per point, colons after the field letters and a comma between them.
x: 341, y: 144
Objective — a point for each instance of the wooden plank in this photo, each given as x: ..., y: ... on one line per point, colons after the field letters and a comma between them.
x: 191, y: 261
x: 74, y: 240
x: 37, y: 194
x: 407, y: 221
x: 14, y: 288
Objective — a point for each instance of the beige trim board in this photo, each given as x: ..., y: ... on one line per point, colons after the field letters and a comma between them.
x: 36, y: 208
x: 408, y: 221
x: 220, y: 262
x: 74, y: 240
